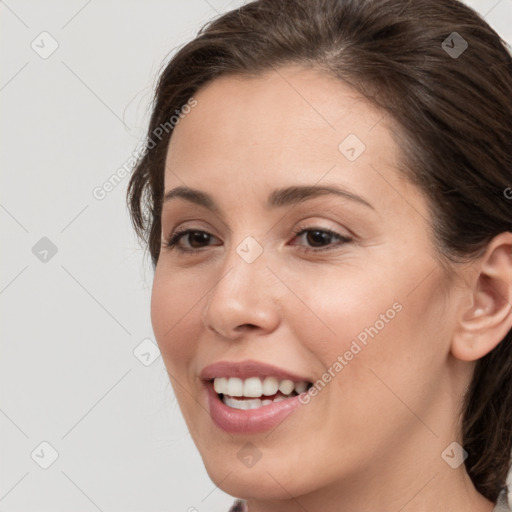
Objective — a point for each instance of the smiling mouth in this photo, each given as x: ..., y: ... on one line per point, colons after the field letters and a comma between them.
x: 256, y: 392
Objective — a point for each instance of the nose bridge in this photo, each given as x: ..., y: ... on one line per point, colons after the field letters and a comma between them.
x: 241, y: 296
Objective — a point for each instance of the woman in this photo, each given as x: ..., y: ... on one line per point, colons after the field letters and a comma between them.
x: 328, y: 210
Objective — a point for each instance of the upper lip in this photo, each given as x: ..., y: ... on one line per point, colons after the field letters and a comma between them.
x: 246, y: 369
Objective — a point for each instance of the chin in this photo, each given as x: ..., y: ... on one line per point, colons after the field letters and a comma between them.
x: 272, y: 478
x: 253, y: 483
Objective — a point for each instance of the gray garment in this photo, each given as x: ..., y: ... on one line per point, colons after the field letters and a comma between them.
x: 501, y: 505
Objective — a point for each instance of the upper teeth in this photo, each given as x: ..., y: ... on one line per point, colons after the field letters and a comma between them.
x: 254, y: 387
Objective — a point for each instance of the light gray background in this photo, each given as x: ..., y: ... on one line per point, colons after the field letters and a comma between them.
x: 71, y: 324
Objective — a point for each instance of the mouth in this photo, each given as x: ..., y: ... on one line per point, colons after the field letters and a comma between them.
x: 251, y: 397
x: 256, y: 392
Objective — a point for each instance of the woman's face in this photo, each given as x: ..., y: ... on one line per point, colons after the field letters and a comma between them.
x: 359, y: 314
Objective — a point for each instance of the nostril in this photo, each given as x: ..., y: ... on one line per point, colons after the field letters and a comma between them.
x: 247, y: 326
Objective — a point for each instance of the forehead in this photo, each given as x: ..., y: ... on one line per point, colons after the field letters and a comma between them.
x: 303, y: 106
x: 287, y: 125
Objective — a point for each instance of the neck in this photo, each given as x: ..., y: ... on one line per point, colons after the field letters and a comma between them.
x: 396, y: 481
x: 433, y: 488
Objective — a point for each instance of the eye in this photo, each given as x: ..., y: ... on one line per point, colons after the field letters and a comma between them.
x: 200, y: 237
x: 320, y: 238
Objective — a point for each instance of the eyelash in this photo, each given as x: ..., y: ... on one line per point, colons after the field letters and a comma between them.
x: 172, y: 241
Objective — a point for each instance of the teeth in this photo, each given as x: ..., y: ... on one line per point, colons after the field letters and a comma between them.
x: 242, y: 404
x: 220, y: 385
x: 254, y: 387
x: 270, y: 386
x: 286, y: 386
x: 300, y: 387
x: 252, y: 403
x: 235, y: 387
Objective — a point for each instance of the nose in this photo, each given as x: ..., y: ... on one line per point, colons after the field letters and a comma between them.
x: 243, y: 299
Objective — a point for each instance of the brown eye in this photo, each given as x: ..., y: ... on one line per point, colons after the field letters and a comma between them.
x: 320, y: 239
x: 196, y: 239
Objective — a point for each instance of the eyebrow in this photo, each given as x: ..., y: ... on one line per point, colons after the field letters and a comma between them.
x: 278, y: 198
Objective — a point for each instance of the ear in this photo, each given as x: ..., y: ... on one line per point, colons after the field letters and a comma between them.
x: 486, y: 317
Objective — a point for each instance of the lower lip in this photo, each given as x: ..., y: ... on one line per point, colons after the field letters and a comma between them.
x: 251, y: 421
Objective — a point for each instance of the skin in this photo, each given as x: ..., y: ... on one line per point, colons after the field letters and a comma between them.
x: 372, y: 438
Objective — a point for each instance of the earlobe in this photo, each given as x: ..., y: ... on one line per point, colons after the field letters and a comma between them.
x: 485, y: 322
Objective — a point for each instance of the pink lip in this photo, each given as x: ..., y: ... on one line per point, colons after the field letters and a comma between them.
x: 249, y: 421
x: 252, y: 421
x: 246, y: 369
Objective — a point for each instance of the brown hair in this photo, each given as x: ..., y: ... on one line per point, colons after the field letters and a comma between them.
x: 454, y: 117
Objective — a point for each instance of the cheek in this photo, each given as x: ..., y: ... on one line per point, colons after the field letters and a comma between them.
x: 373, y: 332
x: 343, y: 311
x: 173, y: 307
